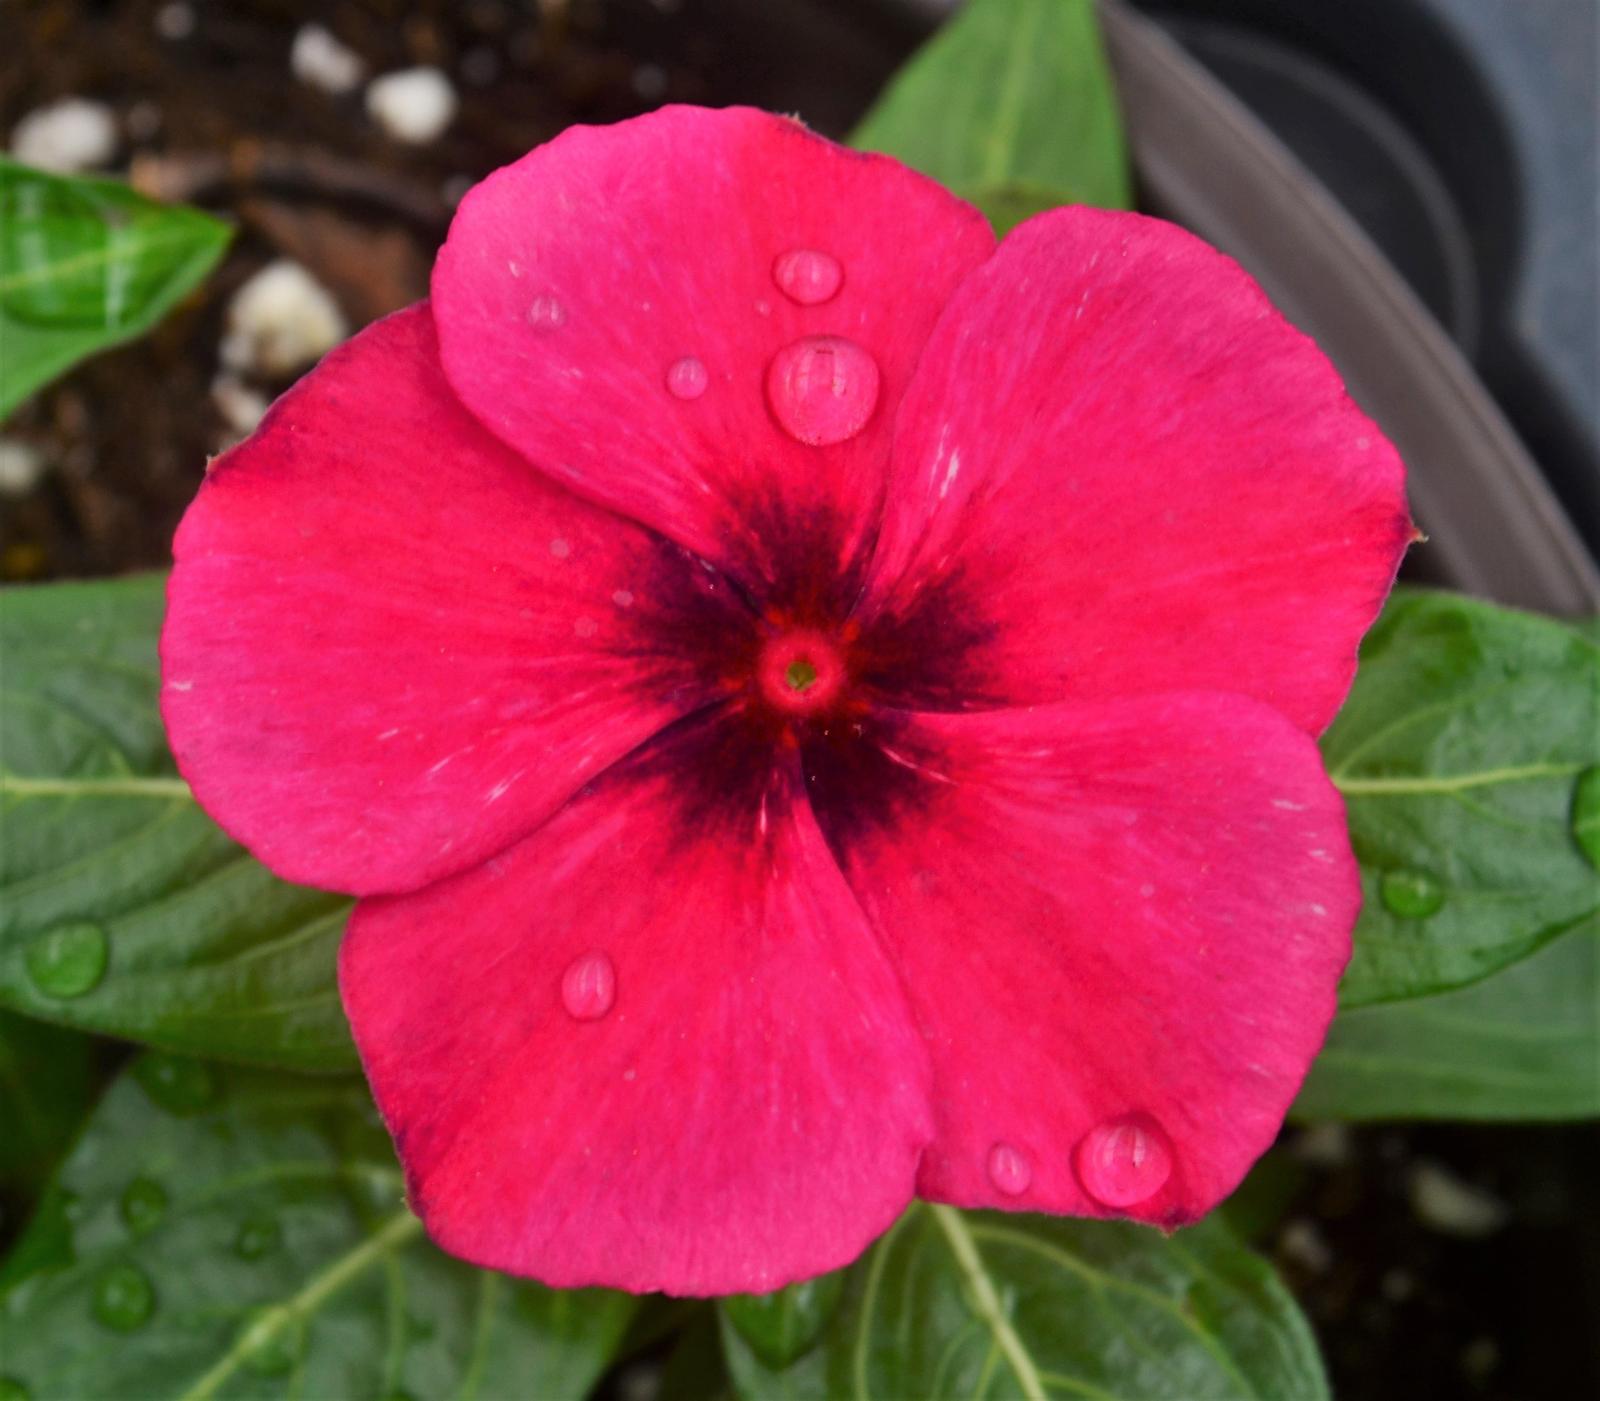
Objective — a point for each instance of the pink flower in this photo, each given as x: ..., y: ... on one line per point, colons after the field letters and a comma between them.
x: 818, y: 708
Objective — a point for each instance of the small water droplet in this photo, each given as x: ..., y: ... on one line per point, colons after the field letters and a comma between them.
x: 1410, y: 894
x: 176, y: 1083
x: 1009, y: 1169
x: 269, y: 1344
x: 560, y: 548
x: 258, y: 1236
x: 144, y: 1203
x: 13, y: 1390
x: 822, y: 389
x: 546, y: 313
x: 807, y: 276
x: 623, y: 598
x: 1123, y: 1161
x: 589, y: 987
x: 69, y: 960
x: 124, y: 1298
x: 687, y: 379
x: 1586, y: 814
x: 585, y: 627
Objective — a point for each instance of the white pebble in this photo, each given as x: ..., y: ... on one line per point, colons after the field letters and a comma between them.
x: 242, y: 408
x: 67, y: 136
x: 1444, y: 1202
x: 415, y: 104
x: 1325, y: 1145
x: 280, y: 321
x: 321, y: 61
x: 1301, y: 1242
x: 21, y: 467
x: 175, y: 21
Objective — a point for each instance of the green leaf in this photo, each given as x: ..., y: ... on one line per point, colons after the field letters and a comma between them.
x: 1459, y: 754
x: 123, y: 908
x: 1522, y: 1045
x: 1010, y: 104
x: 785, y: 1323
x: 963, y: 1304
x: 85, y: 264
x: 242, y: 1233
x: 48, y: 1079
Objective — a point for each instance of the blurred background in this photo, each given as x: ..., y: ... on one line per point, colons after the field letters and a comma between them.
x: 1459, y: 135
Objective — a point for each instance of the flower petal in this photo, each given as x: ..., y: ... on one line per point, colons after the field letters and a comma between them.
x: 613, y: 306
x: 1119, y: 926
x: 655, y: 1046
x: 392, y: 648
x: 1135, y: 476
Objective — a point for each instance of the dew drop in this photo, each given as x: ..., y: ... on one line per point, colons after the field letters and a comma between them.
x: 589, y: 987
x: 124, y: 1299
x: 69, y: 960
x: 258, y: 1237
x: 13, y: 1390
x: 687, y: 379
x: 546, y: 313
x: 1586, y: 814
x: 807, y: 276
x: 1123, y: 1161
x: 822, y: 389
x: 1009, y: 1169
x: 144, y: 1203
x: 560, y: 548
x: 177, y: 1084
x: 1410, y: 894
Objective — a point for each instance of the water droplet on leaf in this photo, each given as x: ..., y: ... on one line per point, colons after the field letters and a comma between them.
x: 1009, y: 1169
x: 589, y: 987
x: 69, y: 960
x: 807, y: 276
x: 124, y: 1299
x: 687, y: 379
x: 1410, y: 894
x: 177, y: 1084
x: 144, y: 1203
x: 1123, y: 1161
x: 546, y: 313
x: 1586, y: 814
x: 258, y: 1236
x: 822, y: 389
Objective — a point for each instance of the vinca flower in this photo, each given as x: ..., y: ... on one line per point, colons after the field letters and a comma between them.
x: 818, y: 708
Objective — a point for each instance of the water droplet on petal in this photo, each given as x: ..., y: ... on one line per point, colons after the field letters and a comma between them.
x: 177, y: 1084
x: 13, y: 1390
x: 259, y: 1236
x: 822, y: 389
x: 1586, y: 814
x: 124, y: 1298
x: 144, y: 1203
x: 546, y: 313
x: 1410, y: 894
x: 1009, y: 1169
x: 560, y: 548
x: 687, y: 379
x: 807, y: 276
x: 589, y: 987
x: 68, y: 960
x: 1123, y: 1161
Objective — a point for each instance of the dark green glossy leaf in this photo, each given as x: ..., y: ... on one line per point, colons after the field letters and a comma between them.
x: 85, y: 264
x: 123, y: 908
x: 242, y: 1233
x: 1523, y: 1044
x: 1010, y: 104
x: 782, y: 1325
x: 48, y: 1079
x: 1459, y: 754
x: 965, y: 1304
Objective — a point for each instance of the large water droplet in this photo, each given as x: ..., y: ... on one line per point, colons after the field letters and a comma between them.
x: 124, y: 1298
x: 176, y: 1083
x: 69, y: 960
x: 1586, y: 814
x: 1410, y: 894
x: 258, y: 1236
x: 1123, y: 1161
x: 13, y: 1390
x: 144, y: 1203
x: 807, y: 276
x: 546, y: 313
x: 1009, y: 1169
x: 589, y: 987
x: 687, y: 379
x: 822, y: 389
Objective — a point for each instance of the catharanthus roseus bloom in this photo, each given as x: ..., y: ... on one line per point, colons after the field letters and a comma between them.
x: 819, y: 708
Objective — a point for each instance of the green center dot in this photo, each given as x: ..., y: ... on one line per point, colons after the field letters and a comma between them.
x: 800, y: 674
